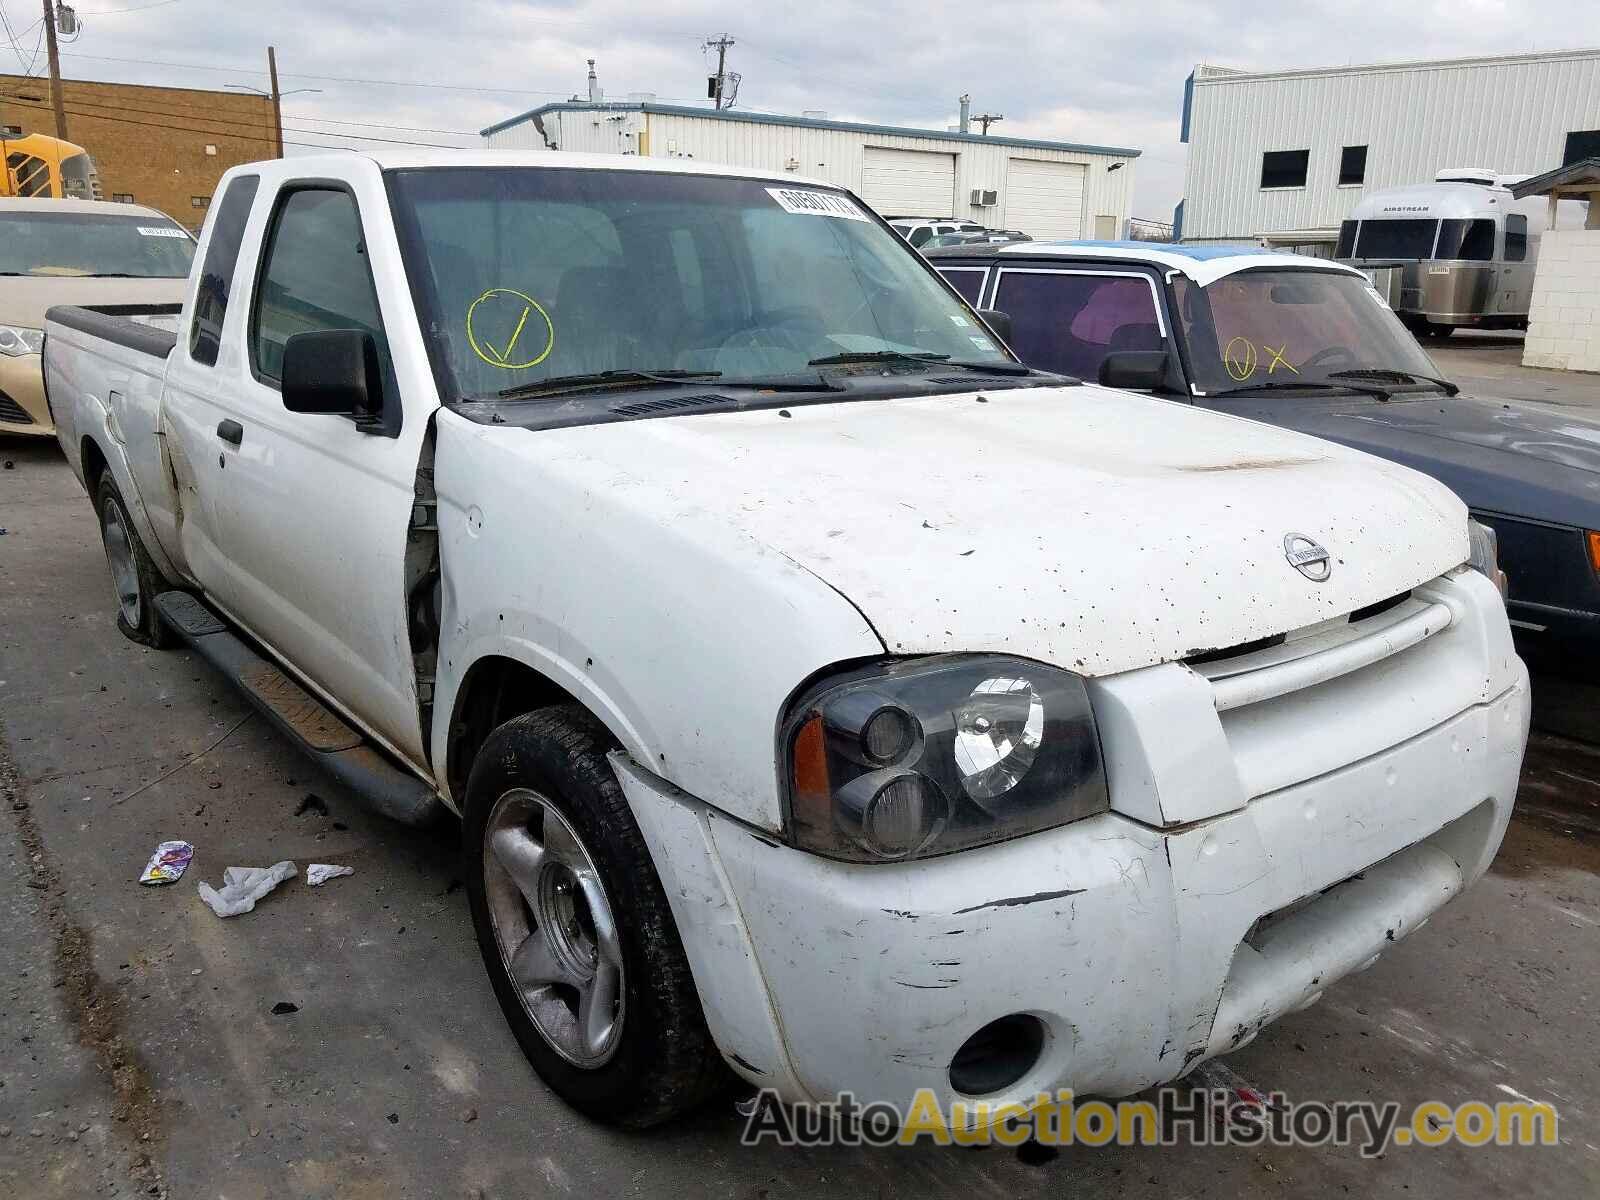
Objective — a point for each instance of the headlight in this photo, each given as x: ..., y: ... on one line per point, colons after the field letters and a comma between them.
x: 1486, y: 553
x: 16, y: 341
x: 918, y: 757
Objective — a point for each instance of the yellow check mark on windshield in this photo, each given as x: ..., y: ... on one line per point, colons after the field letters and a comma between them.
x: 505, y: 355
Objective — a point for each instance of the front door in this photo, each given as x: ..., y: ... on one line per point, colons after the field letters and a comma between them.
x: 316, y: 510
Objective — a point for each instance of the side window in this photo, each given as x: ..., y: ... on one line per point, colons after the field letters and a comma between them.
x: 966, y: 280
x: 1347, y: 240
x: 1516, y: 237
x: 314, y: 276
x: 216, y: 274
x: 1069, y: 323
x: 920, y: 235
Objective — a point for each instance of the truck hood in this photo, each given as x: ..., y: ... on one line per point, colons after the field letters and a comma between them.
x: 24, y: 299
x: 1084, y: 527
x: 1520, y: 458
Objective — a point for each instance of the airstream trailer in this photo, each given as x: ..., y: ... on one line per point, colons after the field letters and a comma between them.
x: 1456, y: 252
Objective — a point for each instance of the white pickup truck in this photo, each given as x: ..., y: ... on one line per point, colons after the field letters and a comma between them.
x: 822, y: 693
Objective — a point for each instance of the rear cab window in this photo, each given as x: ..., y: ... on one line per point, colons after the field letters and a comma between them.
x: 968, y: 281
x: 216, y: 273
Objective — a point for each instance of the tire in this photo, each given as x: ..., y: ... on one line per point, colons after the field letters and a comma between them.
x: 542, y: 781
x: 1439, y: 331
x: 135, y: 580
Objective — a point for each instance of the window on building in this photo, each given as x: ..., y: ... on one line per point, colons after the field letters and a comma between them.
x: 1352, y: 166
x: 216, y: 274
x: 1069, y: 323
x: 1516, y: 237
x: 122, y: 197
x: 1347, y: 240
x: 199, y: 201
x: 316, y: 277
x: 1581, y: 144
x: 1284, y: 168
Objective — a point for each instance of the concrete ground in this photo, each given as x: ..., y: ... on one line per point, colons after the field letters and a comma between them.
x: 141, y: 1053
x: 1490, y: 364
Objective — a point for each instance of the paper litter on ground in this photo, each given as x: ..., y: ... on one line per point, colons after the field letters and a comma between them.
x: 319, y: 873
x: 167, y: 864
x: 243, y: 886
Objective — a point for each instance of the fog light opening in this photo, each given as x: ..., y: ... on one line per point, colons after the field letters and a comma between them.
x: 998, y: 1055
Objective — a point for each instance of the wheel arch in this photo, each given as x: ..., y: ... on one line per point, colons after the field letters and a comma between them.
x: 505, y: 683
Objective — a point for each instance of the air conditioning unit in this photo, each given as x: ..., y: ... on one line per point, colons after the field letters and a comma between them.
x: 985, y: 198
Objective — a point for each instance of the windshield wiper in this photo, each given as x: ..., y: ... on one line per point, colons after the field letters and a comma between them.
x: 923, y: 357
x: 1396, y: 374
x: 605, y: 380
x: 868, y: 356
x: 1275, y: 385
x: 562, y: 383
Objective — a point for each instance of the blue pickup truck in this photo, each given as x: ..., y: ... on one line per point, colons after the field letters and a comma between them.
x: 1307, y: 344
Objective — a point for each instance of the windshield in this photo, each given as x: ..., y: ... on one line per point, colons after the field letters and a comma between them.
x: 1406, y: 237
x: 1259, y: 327
x: 523, y: 274
x: 76, y: 243
x: 78, y: 178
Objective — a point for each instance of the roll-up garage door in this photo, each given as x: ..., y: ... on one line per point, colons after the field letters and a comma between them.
x: 1044, y: 199
x: 910, y: 183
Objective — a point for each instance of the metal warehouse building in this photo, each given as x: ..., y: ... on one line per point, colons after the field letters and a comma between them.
x: 1045, y: 189
x: 1283, y: 156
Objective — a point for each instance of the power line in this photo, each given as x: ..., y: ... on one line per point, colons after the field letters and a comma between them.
x: 247, y: 137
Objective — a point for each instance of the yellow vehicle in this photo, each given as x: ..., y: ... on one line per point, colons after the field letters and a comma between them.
x: 42, y: 167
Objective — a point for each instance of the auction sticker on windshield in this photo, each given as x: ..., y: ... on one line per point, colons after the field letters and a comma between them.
x: 804, y: 202
x: 167, y: 231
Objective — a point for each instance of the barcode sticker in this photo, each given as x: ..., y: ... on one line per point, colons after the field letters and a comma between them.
x: 807, y: 203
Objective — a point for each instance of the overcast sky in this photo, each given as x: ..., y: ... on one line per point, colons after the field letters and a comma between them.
x: 1080, y: 70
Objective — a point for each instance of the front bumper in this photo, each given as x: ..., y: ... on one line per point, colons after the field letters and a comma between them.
x: 22, y: 406
x: 1145, y: 939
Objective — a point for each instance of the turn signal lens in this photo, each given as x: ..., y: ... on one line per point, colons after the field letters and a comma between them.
x: 1594, y: 549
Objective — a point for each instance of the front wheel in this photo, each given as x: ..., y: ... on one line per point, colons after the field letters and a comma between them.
x: 574, y: 926
x: 135, y: 578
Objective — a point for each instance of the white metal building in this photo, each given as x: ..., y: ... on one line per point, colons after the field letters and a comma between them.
x: 1045, y: 189
x: 1281, y: 157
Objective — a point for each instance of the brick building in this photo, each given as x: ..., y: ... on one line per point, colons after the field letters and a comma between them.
x: 160, y: 146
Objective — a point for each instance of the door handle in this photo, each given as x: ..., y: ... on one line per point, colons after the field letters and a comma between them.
x: 230, y: 431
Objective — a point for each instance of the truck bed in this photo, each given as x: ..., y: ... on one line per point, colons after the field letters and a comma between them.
x: 146, y: 328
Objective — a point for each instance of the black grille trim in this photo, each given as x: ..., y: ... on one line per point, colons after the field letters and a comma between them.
x: 12, y: 412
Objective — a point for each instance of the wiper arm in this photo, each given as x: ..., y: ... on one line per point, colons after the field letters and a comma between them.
x: 1396, y: 374
x: 600, y: 379
x: 1276, y: 385
x: 867, y: 356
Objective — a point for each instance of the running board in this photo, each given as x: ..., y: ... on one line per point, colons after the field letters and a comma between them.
x: 324, y: 736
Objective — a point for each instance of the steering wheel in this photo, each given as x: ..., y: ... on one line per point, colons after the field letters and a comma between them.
x: 1330, y: 353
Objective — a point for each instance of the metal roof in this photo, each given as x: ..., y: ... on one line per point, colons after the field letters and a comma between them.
x: 1207, y: 73
x: 1583, y: 173
x: 756, y: 118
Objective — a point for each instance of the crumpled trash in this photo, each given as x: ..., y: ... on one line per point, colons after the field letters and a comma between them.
x: 319, y: 873
x: 167, y: 864
x: 243, y: 886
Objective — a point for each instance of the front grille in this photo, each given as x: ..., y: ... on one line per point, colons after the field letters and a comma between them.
x: 13, y: 412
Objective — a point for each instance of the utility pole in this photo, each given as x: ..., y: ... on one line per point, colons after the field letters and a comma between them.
x: 721, y: 45
x: 56, y: 101
x: 986, y: 120
x: 277, y: 100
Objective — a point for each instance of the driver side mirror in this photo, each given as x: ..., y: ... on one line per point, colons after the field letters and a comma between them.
x: 1134, y: 370
x: 335, y: 371
x: 999, y: 323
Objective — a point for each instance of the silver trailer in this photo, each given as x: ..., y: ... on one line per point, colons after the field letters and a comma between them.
x: 1459, y: 251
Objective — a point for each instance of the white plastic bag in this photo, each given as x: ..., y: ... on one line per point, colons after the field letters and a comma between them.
x: 318, y: 874
x: 243, y: 886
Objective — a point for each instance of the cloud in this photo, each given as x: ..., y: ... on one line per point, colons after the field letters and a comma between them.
x: 1089, y: 70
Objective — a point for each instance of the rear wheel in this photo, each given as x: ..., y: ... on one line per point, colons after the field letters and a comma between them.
x: 574, y: 927
x: 136, y: 580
